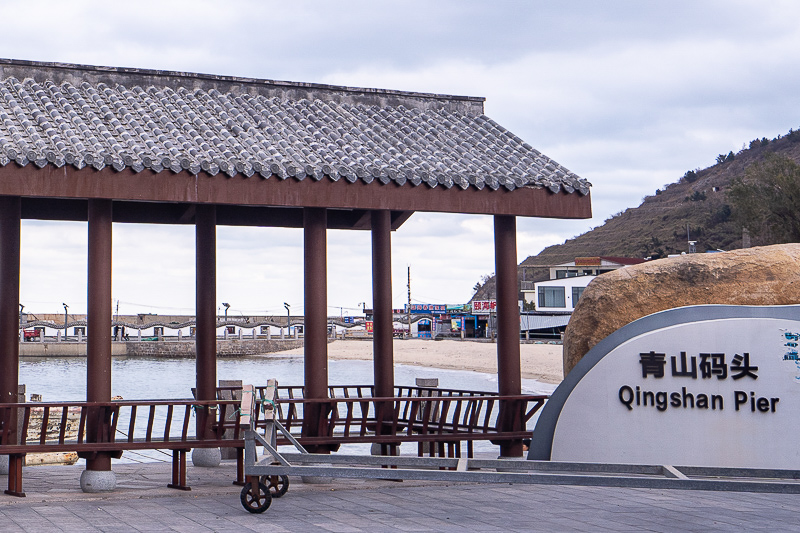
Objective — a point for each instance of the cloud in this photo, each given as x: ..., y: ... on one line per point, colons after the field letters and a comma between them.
x: 628, y: 95
x: 646, y: 108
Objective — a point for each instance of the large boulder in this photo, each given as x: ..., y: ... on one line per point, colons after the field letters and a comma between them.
x: 768, y: 275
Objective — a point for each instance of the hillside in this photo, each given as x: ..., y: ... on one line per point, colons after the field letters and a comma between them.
x: 658, y: 227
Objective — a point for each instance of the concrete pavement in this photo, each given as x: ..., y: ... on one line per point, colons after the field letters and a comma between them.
x: 143, y: 503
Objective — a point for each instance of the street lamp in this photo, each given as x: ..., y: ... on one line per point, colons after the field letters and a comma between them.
x: 288, y: 319
x: 226, y: 310
x: 66, y: 307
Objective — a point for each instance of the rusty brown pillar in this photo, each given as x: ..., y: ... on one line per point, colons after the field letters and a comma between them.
x: 206, y: 303
x: 508, y: 355
x: 315, y: 223
x: 382, y: 330
x: 98, y: 339
x: 9, y: 307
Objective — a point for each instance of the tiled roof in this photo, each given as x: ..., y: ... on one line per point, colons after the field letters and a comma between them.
x: 183, y: 127
x: 623, y: 260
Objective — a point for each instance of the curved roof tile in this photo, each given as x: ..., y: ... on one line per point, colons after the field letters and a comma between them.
x: 195, y: 129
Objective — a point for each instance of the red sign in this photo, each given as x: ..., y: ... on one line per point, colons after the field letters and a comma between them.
x: 483, y: 307
x: 588, y: 261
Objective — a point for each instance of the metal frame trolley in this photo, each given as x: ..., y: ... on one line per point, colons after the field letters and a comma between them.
x: 269, y: 478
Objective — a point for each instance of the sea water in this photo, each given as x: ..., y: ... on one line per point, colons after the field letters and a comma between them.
x: 64, y: 379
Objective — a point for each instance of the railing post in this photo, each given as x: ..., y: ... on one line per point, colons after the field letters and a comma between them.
x: 230, y: 394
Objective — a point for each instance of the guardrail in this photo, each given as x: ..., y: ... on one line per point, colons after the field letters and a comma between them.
x: 90, y: 428
x: 360, y: 391
x: 443, y: 417
x: 419, y: 419
x: 439, y: 420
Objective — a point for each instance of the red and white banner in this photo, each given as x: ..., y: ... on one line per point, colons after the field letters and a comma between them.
x: 484, y: 307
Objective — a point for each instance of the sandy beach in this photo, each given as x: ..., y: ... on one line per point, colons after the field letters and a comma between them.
x: 538, y: 361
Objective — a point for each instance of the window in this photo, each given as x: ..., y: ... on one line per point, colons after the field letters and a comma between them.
x: 552, y: 297
x: 561, y: 274
x: 576, y: 294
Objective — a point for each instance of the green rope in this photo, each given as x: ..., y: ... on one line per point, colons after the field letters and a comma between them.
x: 209, y: 407
x: 264, y: 401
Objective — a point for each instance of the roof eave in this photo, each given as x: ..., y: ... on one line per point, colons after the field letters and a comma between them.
x: 69, y: 183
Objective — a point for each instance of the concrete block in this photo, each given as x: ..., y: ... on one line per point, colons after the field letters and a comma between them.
x: 98, y: 481
x: 206, y: 457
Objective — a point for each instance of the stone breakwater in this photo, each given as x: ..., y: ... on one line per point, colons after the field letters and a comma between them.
x: 171, y: 348
x: 225, y: 348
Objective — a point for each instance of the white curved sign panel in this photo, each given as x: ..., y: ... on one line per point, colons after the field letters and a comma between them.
x: 694, y: 386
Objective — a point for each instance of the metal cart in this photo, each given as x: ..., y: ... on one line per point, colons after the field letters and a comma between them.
x: 268, y: 478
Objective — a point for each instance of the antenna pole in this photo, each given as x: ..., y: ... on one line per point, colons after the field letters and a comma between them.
x: 692, y: 248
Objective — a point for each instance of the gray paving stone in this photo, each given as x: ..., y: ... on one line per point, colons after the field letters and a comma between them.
x: 144, y: 504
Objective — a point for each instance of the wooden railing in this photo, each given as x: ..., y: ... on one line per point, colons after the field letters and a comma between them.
x: 366, y: 391
x: 118, y: 425
x: 411, y: 418
x: 91, y: 428
x: 443, y: 417
x: 420, y: 414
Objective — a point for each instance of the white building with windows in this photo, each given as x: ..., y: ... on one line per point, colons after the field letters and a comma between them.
x: 591, y: 266
x: 559, y: 294
x: 567, y: 281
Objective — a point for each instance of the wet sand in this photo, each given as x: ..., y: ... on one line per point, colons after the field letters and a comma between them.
x: 542, y: 362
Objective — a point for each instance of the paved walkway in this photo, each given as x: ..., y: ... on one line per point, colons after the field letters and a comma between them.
x: 142, y: 503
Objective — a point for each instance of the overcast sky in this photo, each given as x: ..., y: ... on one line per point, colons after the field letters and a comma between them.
x: 626, y: 94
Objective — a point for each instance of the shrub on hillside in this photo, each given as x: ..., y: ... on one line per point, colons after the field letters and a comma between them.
x: 696, y: 196
x: 722, y: 158
x: 764, y: 200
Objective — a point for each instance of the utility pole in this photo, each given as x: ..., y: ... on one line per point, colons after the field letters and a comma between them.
x: 408, y: 309
x: 66, y: 309
x: 116, y: 328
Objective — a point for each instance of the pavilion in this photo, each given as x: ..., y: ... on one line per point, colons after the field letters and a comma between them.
x: 111, y: 145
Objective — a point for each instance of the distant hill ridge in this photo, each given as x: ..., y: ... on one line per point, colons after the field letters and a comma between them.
x: 658, y: 227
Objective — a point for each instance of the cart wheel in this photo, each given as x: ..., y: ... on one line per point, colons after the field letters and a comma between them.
x: 278, y: 485
x: 255, y: 502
